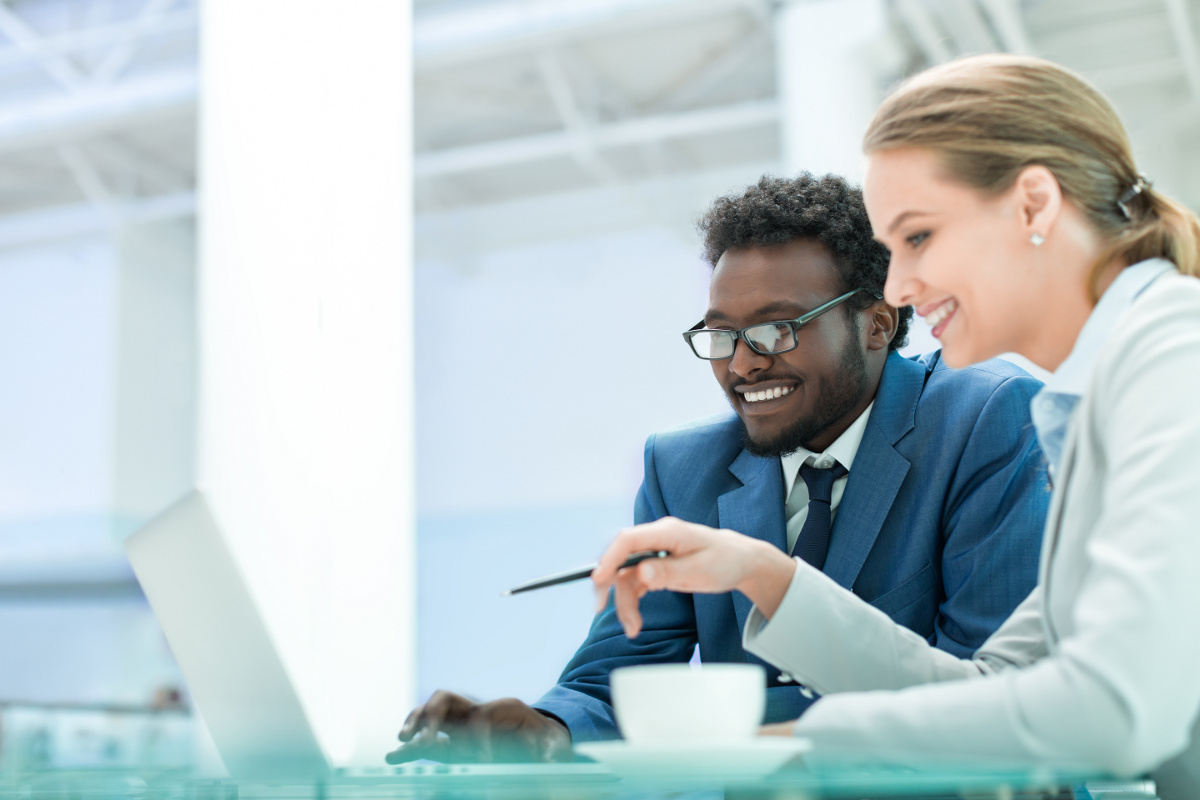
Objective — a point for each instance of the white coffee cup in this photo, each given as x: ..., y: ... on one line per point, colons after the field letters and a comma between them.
x: 689, y: 703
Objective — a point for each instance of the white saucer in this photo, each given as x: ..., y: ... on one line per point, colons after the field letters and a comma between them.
x: 752, y: 758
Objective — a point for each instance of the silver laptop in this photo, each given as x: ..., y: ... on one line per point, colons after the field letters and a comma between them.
x: 233, y: 669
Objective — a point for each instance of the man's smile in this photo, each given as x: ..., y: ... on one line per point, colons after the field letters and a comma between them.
x: 764, y: 397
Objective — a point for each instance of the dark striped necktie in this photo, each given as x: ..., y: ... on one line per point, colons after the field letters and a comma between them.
x: 812, y: 544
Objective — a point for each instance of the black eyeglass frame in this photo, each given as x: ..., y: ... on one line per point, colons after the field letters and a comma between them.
x: 795, y: 324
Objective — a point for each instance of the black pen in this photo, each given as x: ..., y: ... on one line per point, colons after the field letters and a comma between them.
x: 581, y: 573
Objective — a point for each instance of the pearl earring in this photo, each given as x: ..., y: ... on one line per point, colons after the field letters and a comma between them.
x: 1037, y: 239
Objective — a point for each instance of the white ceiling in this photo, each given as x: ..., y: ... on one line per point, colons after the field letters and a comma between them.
x: 579, y: 97
x: 97, y: 104
x: 524, y: 98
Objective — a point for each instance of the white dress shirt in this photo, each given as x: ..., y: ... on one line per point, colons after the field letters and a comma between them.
x: 842, y: 451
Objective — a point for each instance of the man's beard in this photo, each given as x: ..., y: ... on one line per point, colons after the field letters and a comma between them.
x: 836, y: 402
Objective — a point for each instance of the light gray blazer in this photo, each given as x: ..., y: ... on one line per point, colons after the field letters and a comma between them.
x: 1100, y: 666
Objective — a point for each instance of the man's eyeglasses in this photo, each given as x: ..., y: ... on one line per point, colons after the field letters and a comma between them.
x: 766, y: 338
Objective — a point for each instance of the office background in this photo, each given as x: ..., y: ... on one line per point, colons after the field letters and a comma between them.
x: 561, y: 153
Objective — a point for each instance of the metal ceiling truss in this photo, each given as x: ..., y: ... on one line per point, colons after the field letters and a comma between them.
x: 943, y: 29
x: 458, y: 160
x: 95, y: 102
x: 97, y: 97
x: 574, y: 90
x: 1184, y: 33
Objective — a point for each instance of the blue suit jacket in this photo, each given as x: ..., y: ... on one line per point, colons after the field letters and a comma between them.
x: 939, y: 527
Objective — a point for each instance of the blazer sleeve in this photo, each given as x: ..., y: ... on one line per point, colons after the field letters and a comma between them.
x: 853, y: 646
x: 581, y: 698
x: 1120, y: 691
x: 992, y: 521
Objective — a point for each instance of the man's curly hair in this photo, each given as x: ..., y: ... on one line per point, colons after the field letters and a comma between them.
x: 781, y: 210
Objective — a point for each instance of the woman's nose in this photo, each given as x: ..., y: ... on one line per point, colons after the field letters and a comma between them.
x: 902, y: 286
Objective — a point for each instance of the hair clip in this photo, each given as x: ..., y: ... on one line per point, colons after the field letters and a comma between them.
x: 1140, y: 185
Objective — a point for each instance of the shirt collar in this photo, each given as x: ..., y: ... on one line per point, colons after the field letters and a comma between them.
x: 843, y: 450
x: 1072, y: 375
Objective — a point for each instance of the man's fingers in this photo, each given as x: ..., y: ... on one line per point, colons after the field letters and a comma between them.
x: 661, y: 534
x: 626, y: 592
x: 447, y: 751
x: 524, y: 745
x: 452, y: 728
x: 438, y: 749
x: 654, y: 574
x: 431, y: 718
x: 685, y: 573
x: 443, y: 712
x: 399, y: 755
x: 410, y: 723
x: 556, y: 748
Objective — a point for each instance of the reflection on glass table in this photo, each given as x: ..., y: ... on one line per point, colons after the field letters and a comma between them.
x: 581, y: 780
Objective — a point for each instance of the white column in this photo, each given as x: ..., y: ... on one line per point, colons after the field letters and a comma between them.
x: 154, y: 453
x: 828, y: 86
x: 306, y: 367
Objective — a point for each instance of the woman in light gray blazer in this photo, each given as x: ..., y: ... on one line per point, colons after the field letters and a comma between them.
x: 1006, y: 190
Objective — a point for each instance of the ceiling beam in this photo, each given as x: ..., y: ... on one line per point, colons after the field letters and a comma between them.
x: 712, y: 67
x: 32, y: 45
x: 1010, y: 25
x: 1129, y: 76
x: 930, y: 39
x: 575, y: 125
x: 118, y: 155
x: 85, y: 219
x: 485, y: 30
x: 1105, y: 34
x: 123, y: 51
x: 1185, y: 42
x: 65, y: 118
x: 453, y: 161
x: 87, y: 178
x: 102, y: 36
x: 967, y: 25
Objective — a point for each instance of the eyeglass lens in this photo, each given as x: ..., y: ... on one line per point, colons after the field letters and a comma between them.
x: 767, y: 338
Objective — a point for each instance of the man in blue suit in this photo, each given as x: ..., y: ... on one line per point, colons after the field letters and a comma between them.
x: 931, y: 477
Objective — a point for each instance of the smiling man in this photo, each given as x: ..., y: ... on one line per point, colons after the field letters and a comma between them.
x: 918, y: 487
x: 795, y: 384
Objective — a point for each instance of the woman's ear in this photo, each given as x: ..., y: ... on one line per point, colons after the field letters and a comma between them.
x: 1039, y: 201
x: 881, y: 325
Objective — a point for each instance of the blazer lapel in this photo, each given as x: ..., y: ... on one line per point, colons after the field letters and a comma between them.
x: 755, y: 508
x: 878, y: 470
x: 1053, y: 529
x: 1059, y: 482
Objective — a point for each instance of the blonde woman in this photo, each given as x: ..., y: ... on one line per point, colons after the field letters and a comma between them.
x: 1007, y: 192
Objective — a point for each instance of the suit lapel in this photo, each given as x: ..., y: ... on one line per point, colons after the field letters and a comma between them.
x: 755, y: 508
x: 878, y: 470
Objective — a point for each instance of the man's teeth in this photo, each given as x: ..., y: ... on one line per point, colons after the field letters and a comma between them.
x: 935, y: 317
x: 766, y: 394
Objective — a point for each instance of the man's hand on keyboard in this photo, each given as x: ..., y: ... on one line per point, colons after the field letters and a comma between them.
x: 452, y: 728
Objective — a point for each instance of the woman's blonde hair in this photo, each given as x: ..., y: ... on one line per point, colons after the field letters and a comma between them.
x: 988, y: 117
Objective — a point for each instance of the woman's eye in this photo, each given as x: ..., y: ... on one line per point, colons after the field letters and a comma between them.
x: 917, y: 239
